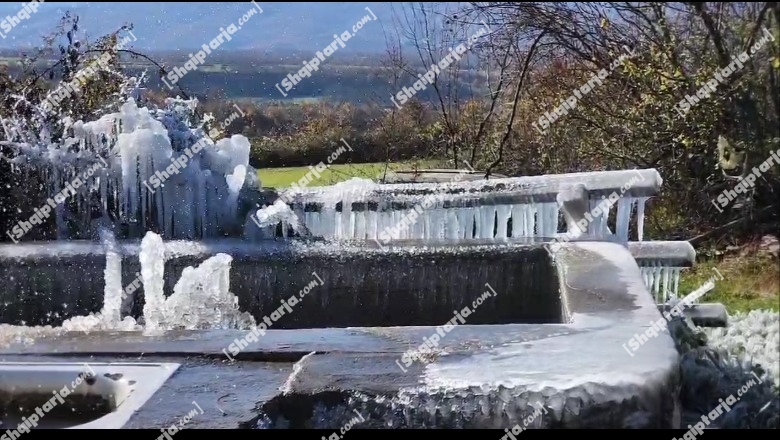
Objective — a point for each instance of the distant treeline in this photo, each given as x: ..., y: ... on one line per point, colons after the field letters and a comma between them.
x: 333, y: 81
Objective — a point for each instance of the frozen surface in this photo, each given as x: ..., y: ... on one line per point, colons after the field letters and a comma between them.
x: 662, y: 280
x: 123, y: 153
x: 643, y: 183
x: 493, y: 210
x: 513, y: 365
x: 751, y: 337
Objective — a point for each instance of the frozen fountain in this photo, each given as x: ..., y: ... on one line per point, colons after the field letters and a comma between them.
x: 197, y: 264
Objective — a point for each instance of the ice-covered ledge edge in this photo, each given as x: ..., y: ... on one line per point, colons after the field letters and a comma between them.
x: 642, y: 183
x: 586, y: 366
x: 667, y: 253
x: 673, y: 253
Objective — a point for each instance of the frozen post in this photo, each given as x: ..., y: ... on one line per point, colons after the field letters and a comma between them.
x: 574, y: 203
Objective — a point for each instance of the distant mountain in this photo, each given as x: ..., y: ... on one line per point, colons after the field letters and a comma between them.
x: 186, y: 26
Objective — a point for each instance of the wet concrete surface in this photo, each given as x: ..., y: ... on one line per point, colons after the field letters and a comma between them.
x: 228, y: 393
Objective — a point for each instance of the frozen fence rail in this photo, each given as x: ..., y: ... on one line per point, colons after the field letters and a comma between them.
x: 490, y: 209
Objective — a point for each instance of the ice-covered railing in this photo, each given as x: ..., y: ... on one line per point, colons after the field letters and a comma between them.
x: 490, y: 209
x: 121, y: 151
x: 660, y: 263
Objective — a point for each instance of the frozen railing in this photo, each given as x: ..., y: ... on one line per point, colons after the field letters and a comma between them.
x: 660, y: 263
x: 491, y: 209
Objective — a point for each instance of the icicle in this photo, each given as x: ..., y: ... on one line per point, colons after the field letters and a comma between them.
x: 530, y: 224
x: 624, y: 207
x: 453, y: 226
x: 360, y: 225
x: 656, y: 280
x: 503, y: 211
x: 462, y: 223
x: 676, y: 282
x: 666, y: 274
x: 640, y: 219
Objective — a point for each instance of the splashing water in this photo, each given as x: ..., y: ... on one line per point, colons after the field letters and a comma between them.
x: 112, y: 297
x: 263, y: 224
x: 109, y: 317
x: 152, y: 258
x: 201, y: 299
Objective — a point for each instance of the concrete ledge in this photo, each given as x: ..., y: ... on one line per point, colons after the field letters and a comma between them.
x: 704, y: 315
x: 599, y: 181
x: 435, y: 176
x: 73, y: 274
x: 497, y: 385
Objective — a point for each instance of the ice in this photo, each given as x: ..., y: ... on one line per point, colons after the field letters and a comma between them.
x: 152, y: 258
x: 469, y: 210
x: 503, y: 212
x: 262, y: 224
x: 640, y: 217
x: 202, y: 299
x: 130, y: 146
x: 530, y: 220
x: 624, y: 208
x: 112, y: 298
x: 661, y: 280
x: 202, y: 199
x: 486, y: 222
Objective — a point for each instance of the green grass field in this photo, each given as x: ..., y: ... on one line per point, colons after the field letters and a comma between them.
x: 749, y: 282
x: 283, y: 177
